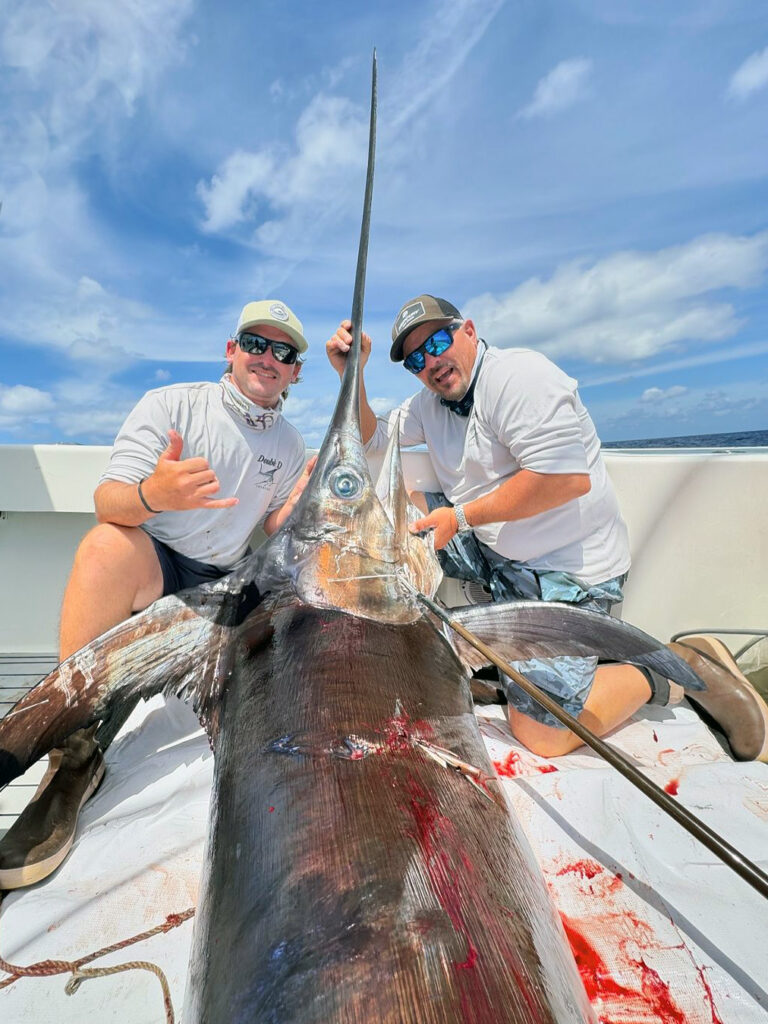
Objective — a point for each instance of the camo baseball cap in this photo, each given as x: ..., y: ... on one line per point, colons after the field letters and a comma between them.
x: 418, y: 311
x: 276, y: 314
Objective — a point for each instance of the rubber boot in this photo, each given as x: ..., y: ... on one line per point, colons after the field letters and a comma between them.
x: 41, y: 837
x: 730, y: 699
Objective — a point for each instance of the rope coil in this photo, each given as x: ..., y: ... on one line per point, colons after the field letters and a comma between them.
x: 80, y: 973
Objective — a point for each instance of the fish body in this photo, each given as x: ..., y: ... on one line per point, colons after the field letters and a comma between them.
x: 352, y: 876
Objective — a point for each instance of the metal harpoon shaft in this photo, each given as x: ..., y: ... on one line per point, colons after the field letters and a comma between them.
x: 749, y: 871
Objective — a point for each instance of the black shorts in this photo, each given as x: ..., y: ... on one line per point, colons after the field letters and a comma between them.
x: 180, y: 572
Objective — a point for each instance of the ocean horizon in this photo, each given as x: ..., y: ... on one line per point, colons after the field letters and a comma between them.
x: 736, y: 439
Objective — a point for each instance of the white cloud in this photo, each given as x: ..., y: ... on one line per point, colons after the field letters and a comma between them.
x: 382, y: 405
x: 231, y: 195
x: 629, y: 305
x: 750, y: 76
x: 22, y: 401
x: 657, y: 395
x: 83, y: 55
x: 447, y: 36
x: 91, y: 410
x: 80, y: 69
x: 689, y: 413
x: 727, y: 354
x: 289, y: 193
x: 98, y: 424
x: 329, y: 149
x: 563, y: 86
x: 161, y: 376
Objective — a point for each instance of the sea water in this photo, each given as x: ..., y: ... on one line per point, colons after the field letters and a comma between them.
x: 739, y: 439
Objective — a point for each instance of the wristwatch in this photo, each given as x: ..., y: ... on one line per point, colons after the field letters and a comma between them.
x: 461, y: 519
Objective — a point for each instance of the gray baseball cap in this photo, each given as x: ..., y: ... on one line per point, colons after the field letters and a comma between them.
x: 418, y: 311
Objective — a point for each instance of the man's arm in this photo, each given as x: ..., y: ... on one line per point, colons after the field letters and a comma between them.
x: 277, y: 516
x: 525, y: 494
x: 176, y: 485
x: 337, y: 348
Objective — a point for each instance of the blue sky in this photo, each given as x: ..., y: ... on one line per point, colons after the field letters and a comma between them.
x: 585, y: 177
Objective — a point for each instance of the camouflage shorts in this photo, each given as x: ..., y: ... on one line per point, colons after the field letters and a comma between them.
x: 567, y: 679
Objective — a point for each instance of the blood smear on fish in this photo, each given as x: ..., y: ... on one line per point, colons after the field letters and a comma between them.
x: 513, y: 766
x: 672, y: 787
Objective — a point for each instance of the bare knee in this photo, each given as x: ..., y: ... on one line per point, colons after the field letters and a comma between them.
x: 108, y: 543
x: 119, y: 555
x: 544, y: 740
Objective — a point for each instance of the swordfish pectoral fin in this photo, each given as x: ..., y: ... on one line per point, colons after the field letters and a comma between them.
x: 519, y: 630
x: 177, y: 646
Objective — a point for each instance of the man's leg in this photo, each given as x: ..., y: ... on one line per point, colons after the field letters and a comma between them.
x: 116, y: 572
x: 617, y: 692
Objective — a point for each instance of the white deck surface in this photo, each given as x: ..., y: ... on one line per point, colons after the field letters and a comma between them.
x: 682, y: 939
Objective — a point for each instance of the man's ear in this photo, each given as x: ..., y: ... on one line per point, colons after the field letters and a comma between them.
x: 296, y: 371
x: 469, y: 329
x: 230, y: 349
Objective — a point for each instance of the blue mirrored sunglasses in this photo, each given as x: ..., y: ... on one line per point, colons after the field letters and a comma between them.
x: 435, y: 345
x: 281, y: 350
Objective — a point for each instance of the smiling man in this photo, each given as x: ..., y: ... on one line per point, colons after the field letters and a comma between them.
x: 194, y: 469
x: 527, y: 510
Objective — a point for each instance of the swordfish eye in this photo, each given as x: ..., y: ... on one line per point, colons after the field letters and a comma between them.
x: 346, y: 484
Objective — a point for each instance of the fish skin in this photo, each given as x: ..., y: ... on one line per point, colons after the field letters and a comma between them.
x: 381, y: 886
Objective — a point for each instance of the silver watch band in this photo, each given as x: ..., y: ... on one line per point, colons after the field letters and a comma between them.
x: 461, y: 519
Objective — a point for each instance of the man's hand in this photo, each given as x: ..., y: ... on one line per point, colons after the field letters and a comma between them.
x: 442, y: 521
x: 179, y: 484
x: 337, y: 348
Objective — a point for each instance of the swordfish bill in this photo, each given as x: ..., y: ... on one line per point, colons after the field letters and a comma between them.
x: 361, y: 862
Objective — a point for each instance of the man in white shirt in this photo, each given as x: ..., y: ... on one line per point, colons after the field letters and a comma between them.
x: 526, y: 508
x: 194, y: 469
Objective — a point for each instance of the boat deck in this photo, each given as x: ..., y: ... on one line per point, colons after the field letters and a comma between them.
x: 661, y: 930
x: 18, y: 673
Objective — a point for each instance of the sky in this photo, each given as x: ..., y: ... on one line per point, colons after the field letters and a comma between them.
x: 588, y: 178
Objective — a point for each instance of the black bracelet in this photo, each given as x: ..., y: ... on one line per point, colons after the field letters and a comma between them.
x: 154, y: 511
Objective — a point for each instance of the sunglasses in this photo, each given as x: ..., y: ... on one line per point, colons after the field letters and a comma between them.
x: 435, y: 345
x: 281, y: 350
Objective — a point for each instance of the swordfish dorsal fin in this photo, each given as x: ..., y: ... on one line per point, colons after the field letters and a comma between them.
x: 415, y: 554
x: 178, y: 646
x: 390, y: 488
x: 518, y: 630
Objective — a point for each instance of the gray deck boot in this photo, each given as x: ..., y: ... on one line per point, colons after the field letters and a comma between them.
x: 41, y: 837
x: 730, y: 699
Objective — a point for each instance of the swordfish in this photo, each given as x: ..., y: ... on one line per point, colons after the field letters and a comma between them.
x: 361, y: 863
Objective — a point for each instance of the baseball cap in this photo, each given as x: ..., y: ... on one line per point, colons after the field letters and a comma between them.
x: 277, y: 314
x: 418, y: 311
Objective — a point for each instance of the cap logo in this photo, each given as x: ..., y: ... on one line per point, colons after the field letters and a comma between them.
x: 279, y: 312
x: 408, y: 315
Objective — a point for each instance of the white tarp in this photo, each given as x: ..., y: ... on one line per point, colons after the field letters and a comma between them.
x: 661, y: 929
